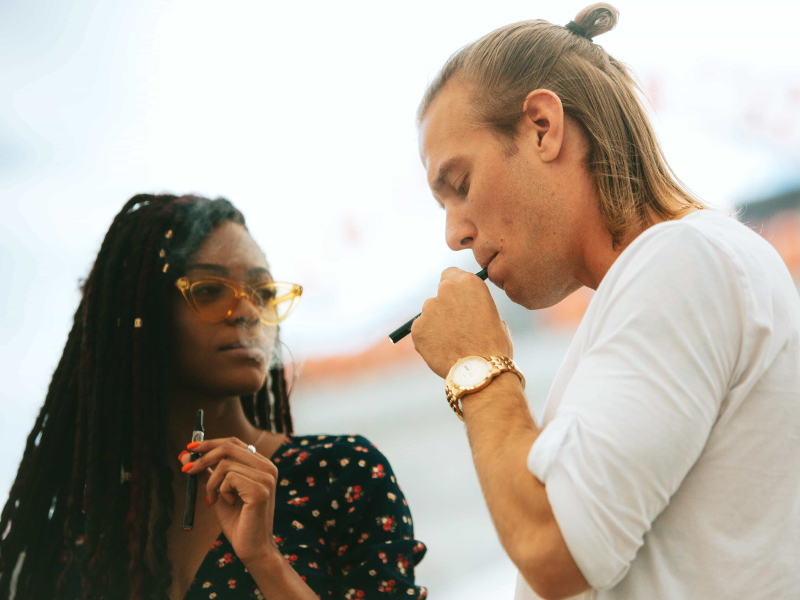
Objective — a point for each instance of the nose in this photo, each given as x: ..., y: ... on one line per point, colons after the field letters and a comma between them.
x: 460, y: 232
x: 244, y: 309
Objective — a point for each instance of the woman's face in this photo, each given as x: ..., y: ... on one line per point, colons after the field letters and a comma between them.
x: 229, y: 358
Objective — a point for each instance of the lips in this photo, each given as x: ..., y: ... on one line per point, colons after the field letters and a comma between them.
x: 238, y: 351
x: 485, y: 263
x: 492, y: 276
x: 232, y: 346
x: 239, y: 345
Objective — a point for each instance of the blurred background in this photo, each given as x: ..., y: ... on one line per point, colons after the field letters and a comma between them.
x: 303, y: 114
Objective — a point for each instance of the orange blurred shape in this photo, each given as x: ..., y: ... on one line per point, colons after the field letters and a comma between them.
x: 783, y: 232
x: 375, y: 358
x: 569, y: 312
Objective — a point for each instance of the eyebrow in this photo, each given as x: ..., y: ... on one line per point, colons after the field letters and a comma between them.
x: 251, y: 272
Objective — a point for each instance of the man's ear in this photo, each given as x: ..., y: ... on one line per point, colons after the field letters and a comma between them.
x: 543, y: 119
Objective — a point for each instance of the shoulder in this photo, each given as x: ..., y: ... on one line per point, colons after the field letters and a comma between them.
x: 699, y: 252
x: 676, y: 241
x: 706, y: 241
x: 706, y: 255
x: 677, y: 279
x: 337, y: 455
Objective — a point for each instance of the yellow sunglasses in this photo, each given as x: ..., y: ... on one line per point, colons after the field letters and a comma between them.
x: 215, y: 298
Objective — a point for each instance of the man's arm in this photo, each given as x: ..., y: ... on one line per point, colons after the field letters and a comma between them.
x: 501, y: 432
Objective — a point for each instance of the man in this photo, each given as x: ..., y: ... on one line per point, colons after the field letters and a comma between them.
x: 668, y: 461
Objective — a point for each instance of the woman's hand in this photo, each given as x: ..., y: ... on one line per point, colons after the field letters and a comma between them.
x: 240, y: 487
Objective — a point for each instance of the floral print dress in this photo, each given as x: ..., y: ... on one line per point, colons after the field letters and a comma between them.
x: 341, y: 521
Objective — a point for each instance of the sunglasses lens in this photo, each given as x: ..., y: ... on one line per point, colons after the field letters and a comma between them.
x: 213, y: 299
x: 276, y: 300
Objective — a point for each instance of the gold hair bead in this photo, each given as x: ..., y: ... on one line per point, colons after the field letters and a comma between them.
x: 169, y: 234
x: 163, y: 253
x: 137, y: 324
x: 119, y: 321
x: 166, y: 266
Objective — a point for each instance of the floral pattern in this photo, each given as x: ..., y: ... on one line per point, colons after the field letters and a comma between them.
x: 341, y: 522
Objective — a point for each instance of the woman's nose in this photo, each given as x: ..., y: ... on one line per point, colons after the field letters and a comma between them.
x: 244, y: 311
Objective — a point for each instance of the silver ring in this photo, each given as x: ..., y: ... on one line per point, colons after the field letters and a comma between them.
x: 251, y: 448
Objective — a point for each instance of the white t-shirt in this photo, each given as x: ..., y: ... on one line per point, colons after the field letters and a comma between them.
x: 671, y: 444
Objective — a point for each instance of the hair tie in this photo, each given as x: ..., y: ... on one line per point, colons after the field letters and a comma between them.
x: 577, y: 30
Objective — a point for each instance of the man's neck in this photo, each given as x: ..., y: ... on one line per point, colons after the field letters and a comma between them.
x: 598, y: 251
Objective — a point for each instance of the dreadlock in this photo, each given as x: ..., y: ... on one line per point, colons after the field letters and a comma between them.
x: 97, y: 453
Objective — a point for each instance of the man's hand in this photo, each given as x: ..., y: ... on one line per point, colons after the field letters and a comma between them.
x: 462, y: 320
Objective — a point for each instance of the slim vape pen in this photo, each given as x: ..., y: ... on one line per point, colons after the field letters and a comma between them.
x: 191, y: 485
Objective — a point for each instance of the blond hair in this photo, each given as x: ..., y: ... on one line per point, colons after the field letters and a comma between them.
x: 634, y: 181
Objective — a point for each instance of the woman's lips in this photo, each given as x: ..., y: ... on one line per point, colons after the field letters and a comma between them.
x: 244, y: 352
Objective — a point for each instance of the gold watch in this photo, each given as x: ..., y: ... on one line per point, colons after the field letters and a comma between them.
x: 473, y: 373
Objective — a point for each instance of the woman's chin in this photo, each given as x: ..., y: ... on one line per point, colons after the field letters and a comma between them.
x: 251, y: 388
x: 245, y: 384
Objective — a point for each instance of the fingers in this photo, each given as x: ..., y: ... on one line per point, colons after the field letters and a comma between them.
x: 230, y: 479
x: 452, y: 273
x: 207, y: 445
x: 185, y: 457
x: 456, y: 274
x: 236, y: 470
x: 214, y: 451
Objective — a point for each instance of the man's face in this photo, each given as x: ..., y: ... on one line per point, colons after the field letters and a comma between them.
x: 502, y: 204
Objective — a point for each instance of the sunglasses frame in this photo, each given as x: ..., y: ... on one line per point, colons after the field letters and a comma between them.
x: 184, y: 284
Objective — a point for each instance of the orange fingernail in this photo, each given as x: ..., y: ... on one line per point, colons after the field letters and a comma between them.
x: 187, y: 466
x: 207, y: 502
x: 193, y: 445
x: 180, y: 456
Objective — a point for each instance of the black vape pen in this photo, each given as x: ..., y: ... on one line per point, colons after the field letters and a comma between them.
x: 191, y: 485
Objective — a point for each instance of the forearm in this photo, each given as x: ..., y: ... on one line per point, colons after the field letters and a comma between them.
x: 277, y: 580
x: 501, y: 432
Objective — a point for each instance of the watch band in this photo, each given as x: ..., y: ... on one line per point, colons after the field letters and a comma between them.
x: 498, y: 364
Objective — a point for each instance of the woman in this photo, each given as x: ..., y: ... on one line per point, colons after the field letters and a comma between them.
x: 180, y: 313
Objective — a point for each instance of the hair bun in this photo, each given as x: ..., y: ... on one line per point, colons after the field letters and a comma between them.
x: 597, y: 19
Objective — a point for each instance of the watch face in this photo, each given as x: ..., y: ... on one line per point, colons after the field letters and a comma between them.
x: 471, y: 371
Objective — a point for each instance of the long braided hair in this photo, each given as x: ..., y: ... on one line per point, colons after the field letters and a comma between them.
x: 97, y: 453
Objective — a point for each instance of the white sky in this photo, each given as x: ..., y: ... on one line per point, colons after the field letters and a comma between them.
x: 302, y: 113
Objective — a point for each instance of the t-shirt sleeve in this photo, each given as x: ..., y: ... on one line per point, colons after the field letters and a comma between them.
x: 376, y: 550
x: 658, y: 360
